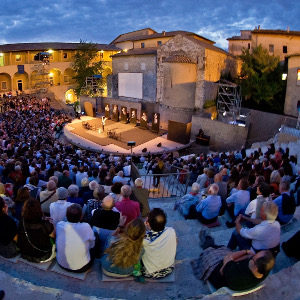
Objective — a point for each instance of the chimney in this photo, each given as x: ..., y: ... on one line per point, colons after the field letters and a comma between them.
x: 163, y: 32
x: 258, y: 27
x: 288, y: 29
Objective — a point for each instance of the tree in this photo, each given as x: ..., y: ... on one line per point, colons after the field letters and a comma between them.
x: 261, y: 78
x: 86, y: 64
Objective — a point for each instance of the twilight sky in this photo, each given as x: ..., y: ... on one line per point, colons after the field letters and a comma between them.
x: 100, y: 21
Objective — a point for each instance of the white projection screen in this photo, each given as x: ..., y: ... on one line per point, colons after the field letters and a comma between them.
x: 130, y: 85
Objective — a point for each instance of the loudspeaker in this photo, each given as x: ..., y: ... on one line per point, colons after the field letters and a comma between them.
x: 144, y: 150
x: 131, y: 143
x: 158, y: 145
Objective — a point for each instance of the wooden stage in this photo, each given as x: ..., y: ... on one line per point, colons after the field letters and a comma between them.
x: 95, y: 139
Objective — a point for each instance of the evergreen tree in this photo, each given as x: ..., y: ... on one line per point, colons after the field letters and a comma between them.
x: 86, y: 64
x: 261, y: 79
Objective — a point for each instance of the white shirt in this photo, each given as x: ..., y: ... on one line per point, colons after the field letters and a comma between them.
x: 73, y: 242
x: 160, y: 253
x: 58, y: 210
x: 79, y: 177
x: 265, y: 235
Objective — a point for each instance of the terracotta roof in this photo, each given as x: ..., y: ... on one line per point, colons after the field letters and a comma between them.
x: 276, y: 31
x: 158, y: 35
x: 208, y: 46
x: 116, y: 39
x: 50, y: 45
x: 238, y: 38
x: 178, y: 59
x: 137, y: 51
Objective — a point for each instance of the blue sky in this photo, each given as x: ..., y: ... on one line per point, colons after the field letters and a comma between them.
x: 102, y: 20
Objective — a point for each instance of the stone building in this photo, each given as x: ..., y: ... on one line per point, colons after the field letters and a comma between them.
x: 19, y: 71
x: 280, y: 43
x: 293, y: 85
x: 177, y: 75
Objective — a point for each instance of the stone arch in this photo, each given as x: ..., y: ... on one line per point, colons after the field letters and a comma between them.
x: 69, y: 73
x: 54, y: 77
x: 70, y: 96
x: 5, y: 82
x: 20, y: 81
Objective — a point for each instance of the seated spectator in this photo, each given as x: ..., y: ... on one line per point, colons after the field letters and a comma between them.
x: 73, y: 195
x: 202, y: 179
x: 264, y: 236
x: 238, y: 201
x: 80, y: 175
x: 207, y: 210
x: 275, y: 179
x: 129, y: 208
x: 222, y: 190
x: 286, y: 204
x: 116, y: 191
x: 120, y: 178
x: 105, y: 217
x: 94, y: 203
x: 33, y: 188
x: 159, y: 246
x: 48, y: 196
x: 58, y: 209
x: 238, y: 271
x: 8, y: 232
x: 22, y: 196
x: 34, y: 234
x: 141, y: 195
x: 74, y: 242
x: 192, y: 198
x: 263, y: 194
x: 85, y: 192
x: 64, y: 180
x: 123, y: 256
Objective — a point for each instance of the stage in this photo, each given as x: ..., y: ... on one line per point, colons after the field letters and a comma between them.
x: 96, y: 140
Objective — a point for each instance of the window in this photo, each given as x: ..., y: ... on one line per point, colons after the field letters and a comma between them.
x: 271, y: 48
x: 65, y: 55
x: 142, y: 45
x: 101, y: 54
x: 1, y: 59
x: 284, y: 49
x: 18, y: 57
x: 3, y: 85
x: 159, y: 43
x: 249, y: 45
x: 298, y: 77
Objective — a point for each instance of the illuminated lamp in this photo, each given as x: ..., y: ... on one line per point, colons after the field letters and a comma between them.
x: 50, y: 51
x: 51, y: 74
x: 284, y: 76
x: 1, y: 54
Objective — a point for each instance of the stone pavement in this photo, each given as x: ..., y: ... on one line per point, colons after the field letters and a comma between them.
x: 26, y: 282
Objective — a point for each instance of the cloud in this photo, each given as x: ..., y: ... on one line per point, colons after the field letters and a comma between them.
x: 103, y: 20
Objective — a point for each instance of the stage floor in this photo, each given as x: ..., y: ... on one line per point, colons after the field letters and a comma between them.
x: 99, y: 141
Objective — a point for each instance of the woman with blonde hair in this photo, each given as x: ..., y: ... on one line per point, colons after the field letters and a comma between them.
x: 122, y: 256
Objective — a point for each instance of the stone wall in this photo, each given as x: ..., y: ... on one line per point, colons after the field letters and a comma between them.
x: 292, y: 95
x: 223, y: 137
x: 264, y: 125
x: 145, y: 64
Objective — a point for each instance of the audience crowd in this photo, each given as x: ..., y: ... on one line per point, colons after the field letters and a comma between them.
x: 59, y: 200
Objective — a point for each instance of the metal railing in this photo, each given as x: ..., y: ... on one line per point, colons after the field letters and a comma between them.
x: 163, y: 185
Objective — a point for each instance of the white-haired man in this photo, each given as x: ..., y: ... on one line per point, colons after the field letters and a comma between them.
x: 264, y: 236
x: 192, y: 198
x: 208, y: 209
x: 120, y: 178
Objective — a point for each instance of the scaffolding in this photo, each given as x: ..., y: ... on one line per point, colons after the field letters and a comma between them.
x: 94, y: 85
x: 229, y: 101
x: 40, y: 75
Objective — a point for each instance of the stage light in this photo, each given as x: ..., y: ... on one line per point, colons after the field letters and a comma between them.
x: 284, y: 76
x: 224, y: 113
x: 51, y: 74
x: 50, y: 51
x: 1, y: 54
x: 125, y: 50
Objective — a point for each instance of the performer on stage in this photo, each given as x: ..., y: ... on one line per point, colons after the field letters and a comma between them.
x: 144, y: 117
x: 103, y: 120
